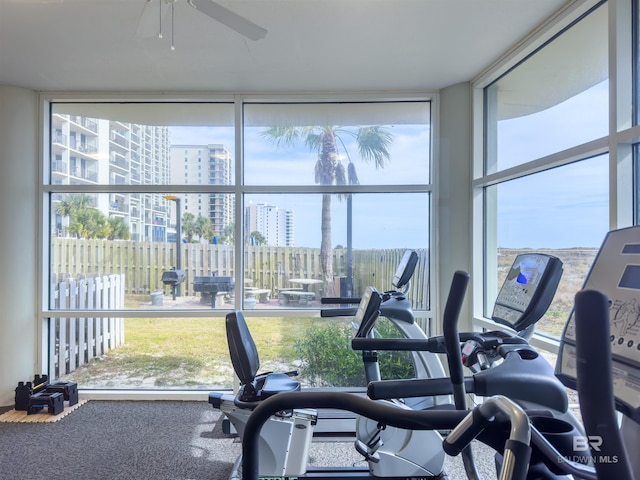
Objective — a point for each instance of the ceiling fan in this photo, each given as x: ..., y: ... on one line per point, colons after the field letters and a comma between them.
x: 150, y: 23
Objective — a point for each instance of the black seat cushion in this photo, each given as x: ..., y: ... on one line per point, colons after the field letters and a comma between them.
x: 243, y: 351
x: 276, y: 383
x: 245, y: 360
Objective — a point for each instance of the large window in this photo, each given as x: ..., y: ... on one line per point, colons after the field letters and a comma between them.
x: 162, y: 217
x: 546, y: 164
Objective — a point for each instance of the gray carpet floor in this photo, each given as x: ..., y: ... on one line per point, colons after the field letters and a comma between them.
x: 120, y: 440
x: 161, y: 440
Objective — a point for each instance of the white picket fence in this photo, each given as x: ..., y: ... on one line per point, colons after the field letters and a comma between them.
x: 74, y: 341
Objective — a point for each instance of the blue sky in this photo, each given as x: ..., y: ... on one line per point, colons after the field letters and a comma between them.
x: 563, y: 207
x: 380, y: 220
x: 560, y: 208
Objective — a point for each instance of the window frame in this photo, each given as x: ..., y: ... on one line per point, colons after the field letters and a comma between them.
x: 618, y: 144
x: 238, y: 189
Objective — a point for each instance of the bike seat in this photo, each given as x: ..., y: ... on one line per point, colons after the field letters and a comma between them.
x: 254, y: 387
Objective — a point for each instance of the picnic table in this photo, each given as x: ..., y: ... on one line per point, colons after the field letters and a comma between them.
x: 305, y: 282
x: 263, y: 295
x: 300, y: 295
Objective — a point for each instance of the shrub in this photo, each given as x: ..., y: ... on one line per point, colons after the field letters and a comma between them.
x: 327, y: 359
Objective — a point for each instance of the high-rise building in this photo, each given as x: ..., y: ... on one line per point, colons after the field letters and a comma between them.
x: 275, y: 224
x: 204, y: 165
x: 97, y: 151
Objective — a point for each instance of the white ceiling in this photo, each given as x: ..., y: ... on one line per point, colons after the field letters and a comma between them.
x: 311, y: 45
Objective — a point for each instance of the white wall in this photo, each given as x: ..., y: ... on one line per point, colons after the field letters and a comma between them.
x: 18, y: 212
x: 453, y: 183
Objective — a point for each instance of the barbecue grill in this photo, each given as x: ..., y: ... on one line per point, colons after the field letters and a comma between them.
x: 212, y: 285
x: 174, y: 278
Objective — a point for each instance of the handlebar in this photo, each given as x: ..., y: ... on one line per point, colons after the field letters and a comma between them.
x: 451, y: 337
x: 389, y: 415
x: 595, y: 383
x: 517, y: 451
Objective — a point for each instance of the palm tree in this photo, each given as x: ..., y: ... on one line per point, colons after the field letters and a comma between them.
x: 203, y: 228
x: 72, y: 206
x: 89, y: 223
x: 73, y: 203
x: 258, y: 238
x: 119, y: 229
x: 372, y: 144
x: 227, y: 234
x: 188, y: 226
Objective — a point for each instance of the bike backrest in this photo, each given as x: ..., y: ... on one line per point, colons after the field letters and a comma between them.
x: 242, y: 348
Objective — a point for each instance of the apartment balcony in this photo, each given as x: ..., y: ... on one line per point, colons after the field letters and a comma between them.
x: 120, y: 207
x: 87, y: 148
x: 85, y: 122
x: 119, y: 180
x: 84, y: 174
x: 118, y: 139
x: 118, y: 161
x: 59, y: 138
x: 83, y: 147
x: 59, y: 166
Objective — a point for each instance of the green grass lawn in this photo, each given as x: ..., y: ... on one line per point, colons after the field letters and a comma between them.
x: 189, y: 352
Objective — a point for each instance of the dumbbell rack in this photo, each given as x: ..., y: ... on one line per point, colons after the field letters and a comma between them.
x: 34, y: 396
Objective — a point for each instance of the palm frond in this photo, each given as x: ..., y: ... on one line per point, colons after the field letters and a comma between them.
x: 317, y: 172
x: 341, y: 174
x: 373, y: 144
x: 313, y: 140
x: 352, y: 174
x: 283, y: 135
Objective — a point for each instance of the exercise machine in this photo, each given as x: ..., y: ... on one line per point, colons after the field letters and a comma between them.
x: 511, y: 367
x: 528, y: 290
x: 285, y: 439
x: 396, y: 307
x: 601, y: 343
x: 391, y: 452
x: 388, y: 415
x: 524, y: 297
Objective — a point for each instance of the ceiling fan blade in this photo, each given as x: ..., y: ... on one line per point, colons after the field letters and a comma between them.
x: 230, y: 19
x: 150, y: 23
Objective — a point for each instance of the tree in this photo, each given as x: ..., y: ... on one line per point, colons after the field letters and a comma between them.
x: 258, y: 238
x: 203, y: 228
x: 188, y: 226
x: 227, y: 234
x: 372, y: 144
x: 70, y: 206
x: 89, y: 223
x: 119, y: 229
x: 86, y: 221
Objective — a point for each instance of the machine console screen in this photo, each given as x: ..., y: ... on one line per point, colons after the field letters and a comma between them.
x: 529, y: 275
x: 405, y: 269
x: 364, y: 318
x: 616, y: 273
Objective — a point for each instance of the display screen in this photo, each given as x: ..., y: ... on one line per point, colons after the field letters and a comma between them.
x: 630, y: 277
x: 631, y: 248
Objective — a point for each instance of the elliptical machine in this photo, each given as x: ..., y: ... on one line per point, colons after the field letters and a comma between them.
x: 391, y: 452
x: 515, y: 451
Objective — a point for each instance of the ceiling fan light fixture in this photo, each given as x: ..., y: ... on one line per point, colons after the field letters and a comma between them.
x: 147, y: 26
x: 229, y: 18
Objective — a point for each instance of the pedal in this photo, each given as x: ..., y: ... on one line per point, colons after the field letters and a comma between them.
x: 363, y: 450
x: 228, y: 428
